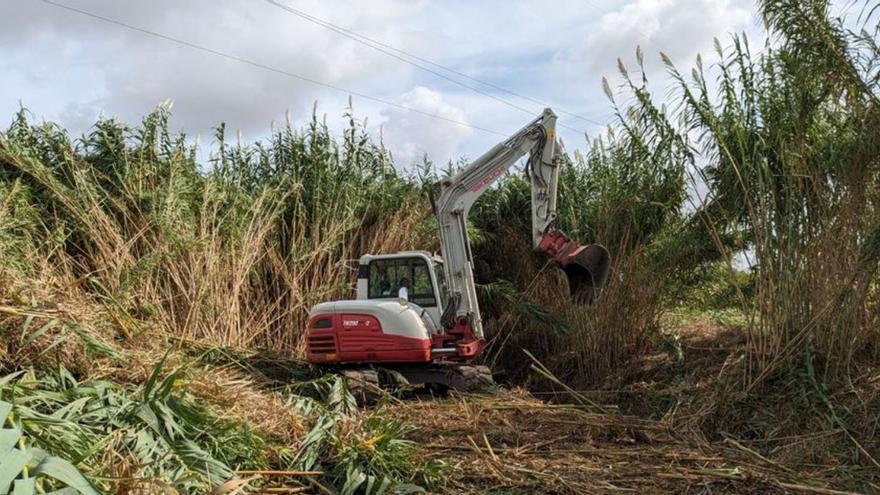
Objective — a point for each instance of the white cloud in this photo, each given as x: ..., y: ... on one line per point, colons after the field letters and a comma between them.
x: 70, y: 68
x: 678, y: 28
x: 404, y: 131
x: 126, y: 73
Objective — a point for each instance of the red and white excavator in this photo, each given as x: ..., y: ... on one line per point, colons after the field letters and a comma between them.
x: 417, y: 313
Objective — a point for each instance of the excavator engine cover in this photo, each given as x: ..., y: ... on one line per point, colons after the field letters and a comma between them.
x: 587, y: 273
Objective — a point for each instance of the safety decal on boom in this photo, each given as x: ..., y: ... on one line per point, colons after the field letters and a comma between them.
x: 489, y: 178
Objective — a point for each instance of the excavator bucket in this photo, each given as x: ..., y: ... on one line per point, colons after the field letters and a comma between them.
x: 587, y: 273
x: 585, y: 266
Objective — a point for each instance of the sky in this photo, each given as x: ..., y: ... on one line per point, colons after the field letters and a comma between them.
x: 70, y: 68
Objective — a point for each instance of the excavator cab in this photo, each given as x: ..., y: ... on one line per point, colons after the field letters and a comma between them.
x: 383, y: 277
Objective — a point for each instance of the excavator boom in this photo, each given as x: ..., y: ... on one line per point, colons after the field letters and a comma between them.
x: 585, y: 266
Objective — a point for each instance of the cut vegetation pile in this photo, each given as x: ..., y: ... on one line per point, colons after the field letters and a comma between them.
x: 161, y: 416
x: 152, y: 307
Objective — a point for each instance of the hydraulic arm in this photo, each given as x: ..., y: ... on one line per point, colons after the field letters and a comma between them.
x: 585, y: 266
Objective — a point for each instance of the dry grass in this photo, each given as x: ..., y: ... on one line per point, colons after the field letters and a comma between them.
x: 581, y: 345
x: 513, y: 443
x: 239, y: 396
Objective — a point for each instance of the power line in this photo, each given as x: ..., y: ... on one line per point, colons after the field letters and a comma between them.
x: 268, y: 67
x: 396, y: 53
x: 344, y: 32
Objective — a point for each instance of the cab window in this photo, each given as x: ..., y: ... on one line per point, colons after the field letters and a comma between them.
x: 388, y: 276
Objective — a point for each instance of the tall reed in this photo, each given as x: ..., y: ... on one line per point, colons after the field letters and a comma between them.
x: 235, y: 254
x: 792, y: 145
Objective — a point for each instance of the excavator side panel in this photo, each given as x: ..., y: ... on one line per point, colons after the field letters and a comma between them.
x: 358, y: 338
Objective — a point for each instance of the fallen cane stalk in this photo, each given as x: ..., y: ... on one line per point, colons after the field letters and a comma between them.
x: 751, y: 452
x: 813, y: 489
x: 271, y: 472
x: 543, y: 371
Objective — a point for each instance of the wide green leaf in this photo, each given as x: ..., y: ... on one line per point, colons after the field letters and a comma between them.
x: 39, y: 332
x: 11, y: 465
x: 8, y: 439
x: 24, y: 486
x: 67, y: 473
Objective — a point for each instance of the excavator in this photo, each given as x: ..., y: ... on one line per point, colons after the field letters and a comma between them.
x: 417, y: 313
